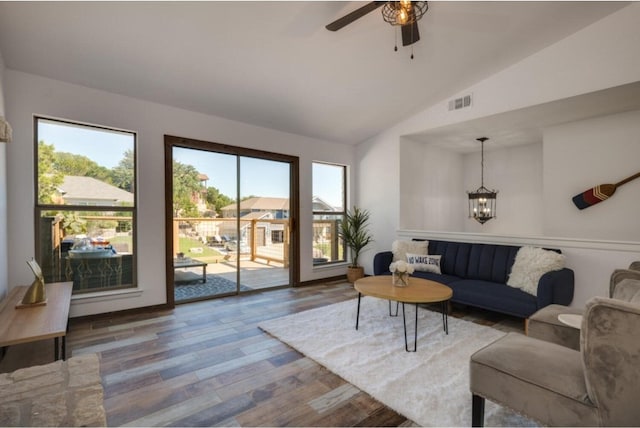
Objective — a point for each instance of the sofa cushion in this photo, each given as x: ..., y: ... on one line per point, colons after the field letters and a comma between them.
x: 530, y: 264
x: 490, y: 262
x: 494, y: 296
x: 401, y: 248
x: 455, y: 256
x: 441, y: 278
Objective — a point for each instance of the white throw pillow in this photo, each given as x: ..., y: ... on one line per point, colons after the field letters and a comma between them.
x: 530, y: 264
x: 401, y: 248
x: 424, y: 263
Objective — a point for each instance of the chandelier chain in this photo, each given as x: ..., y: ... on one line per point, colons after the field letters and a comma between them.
x: 482, y: 163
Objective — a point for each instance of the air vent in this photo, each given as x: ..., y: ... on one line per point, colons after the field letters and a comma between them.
x: 462, y: 102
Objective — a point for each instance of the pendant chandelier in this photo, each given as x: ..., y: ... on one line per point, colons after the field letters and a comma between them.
x: 482, y: 202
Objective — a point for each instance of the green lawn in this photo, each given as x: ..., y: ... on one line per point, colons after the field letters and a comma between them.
x: 207, y: 255
x: 187, y: 243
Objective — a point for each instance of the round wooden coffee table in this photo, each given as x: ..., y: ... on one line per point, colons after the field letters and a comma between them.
x: 418, y: 291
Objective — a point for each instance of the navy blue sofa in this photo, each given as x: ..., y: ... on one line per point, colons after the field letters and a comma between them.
x: 478, y: 273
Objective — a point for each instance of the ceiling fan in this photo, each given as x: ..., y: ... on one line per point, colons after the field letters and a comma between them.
x: 403, y: 13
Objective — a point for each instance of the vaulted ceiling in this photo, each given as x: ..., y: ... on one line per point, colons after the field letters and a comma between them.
x: 274, y: 64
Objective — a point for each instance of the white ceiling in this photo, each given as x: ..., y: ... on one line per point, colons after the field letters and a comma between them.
x: 274, y: 64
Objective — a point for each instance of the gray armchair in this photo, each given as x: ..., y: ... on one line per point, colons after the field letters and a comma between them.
x: 544, y: 324
x: 598, y: 385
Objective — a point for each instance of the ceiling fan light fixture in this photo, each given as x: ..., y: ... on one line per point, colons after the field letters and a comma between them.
x: 404, y: 12
x: 403, y: 16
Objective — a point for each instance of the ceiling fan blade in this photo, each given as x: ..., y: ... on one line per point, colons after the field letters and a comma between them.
x: 356, y: 14
x: 410, y: 34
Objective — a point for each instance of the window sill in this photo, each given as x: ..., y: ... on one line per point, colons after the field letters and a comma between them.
x: 104, y: 296
x: 328, y: 266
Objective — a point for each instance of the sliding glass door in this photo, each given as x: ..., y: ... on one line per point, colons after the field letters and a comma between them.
x: 231, y: 214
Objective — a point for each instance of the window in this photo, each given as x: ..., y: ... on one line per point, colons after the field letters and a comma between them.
x: 329, y: 202
x: 85, y: 204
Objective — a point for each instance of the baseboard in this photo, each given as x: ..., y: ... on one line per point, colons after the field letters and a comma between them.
x: 323, y: 280
x: 132, y: 311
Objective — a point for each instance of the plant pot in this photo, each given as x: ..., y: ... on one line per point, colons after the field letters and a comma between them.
x: 354, y: 273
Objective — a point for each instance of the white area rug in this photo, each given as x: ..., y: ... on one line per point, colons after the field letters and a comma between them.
x: 430, y: 386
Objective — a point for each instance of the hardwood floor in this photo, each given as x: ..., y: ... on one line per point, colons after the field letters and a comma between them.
x: 208, y: 364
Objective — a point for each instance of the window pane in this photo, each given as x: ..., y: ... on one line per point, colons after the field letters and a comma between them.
x: 327, y: 247
x: 329, y: 190
x: 328, y: 187
x: 84, y: 165
x: 92, y: 249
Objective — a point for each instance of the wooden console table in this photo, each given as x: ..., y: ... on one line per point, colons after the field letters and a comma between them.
x: 38, y: 322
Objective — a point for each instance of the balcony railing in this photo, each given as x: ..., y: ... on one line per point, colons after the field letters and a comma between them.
x: 212, y: 239
x: 327, y: 247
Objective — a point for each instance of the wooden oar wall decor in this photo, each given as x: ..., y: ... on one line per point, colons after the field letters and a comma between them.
x: 599, y: 193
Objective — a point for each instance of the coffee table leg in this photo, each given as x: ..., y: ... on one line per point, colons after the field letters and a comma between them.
x: 445, y: 317
x: 358, y: 311
x: 415, y: 334
x: 396, y: 314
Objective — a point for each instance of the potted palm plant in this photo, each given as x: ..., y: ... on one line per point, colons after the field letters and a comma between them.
x: 355, y: 235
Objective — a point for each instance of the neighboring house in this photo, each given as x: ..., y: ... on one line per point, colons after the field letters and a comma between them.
x: 279, y: 207
x: 320, y: 204
x: 263, y: 229
x: 323, y: 230
x: 76, y: 190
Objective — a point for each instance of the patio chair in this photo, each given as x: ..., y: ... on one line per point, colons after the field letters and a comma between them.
x: 215, y: 241
x: 559, y: 386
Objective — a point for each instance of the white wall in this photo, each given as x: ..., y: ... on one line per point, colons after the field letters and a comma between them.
x: 4, y: 275
x: 378, y: 171
x: 516, y: 173
x: 581, y: 155
x: 602, y: 55
x: 432, y: 189
x: 29, y: 94
x: 434, y: 182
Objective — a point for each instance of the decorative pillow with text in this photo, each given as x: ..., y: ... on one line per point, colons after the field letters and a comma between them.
x: 424, y: 263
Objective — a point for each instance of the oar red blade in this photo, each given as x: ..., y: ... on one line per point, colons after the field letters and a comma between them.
x: 591, y: 197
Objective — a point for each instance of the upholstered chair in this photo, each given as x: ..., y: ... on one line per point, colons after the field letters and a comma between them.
x: 544, y: 324
x: 559, y: 386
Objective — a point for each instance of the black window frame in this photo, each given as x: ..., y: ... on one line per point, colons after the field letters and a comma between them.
x: 44, y: 208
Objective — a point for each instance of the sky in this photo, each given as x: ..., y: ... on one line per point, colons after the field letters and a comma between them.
x: 259, y: 177
x: 102, y: 146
